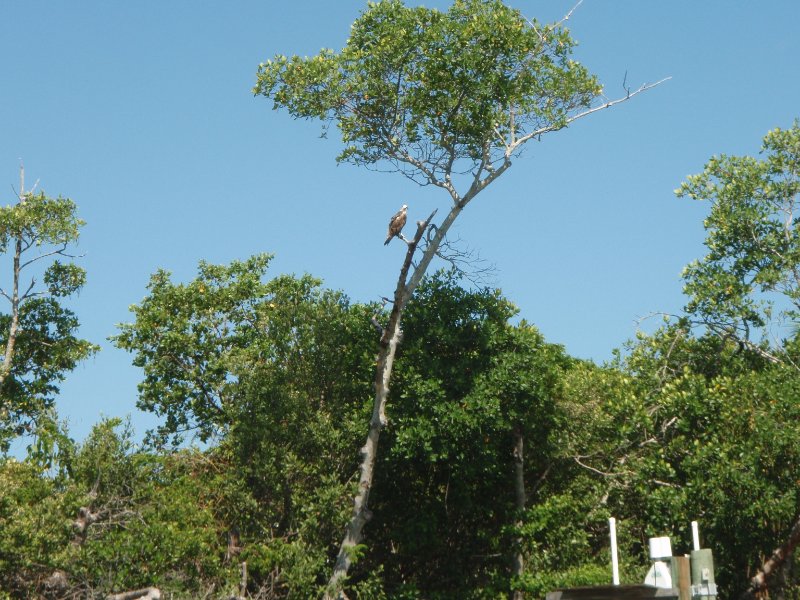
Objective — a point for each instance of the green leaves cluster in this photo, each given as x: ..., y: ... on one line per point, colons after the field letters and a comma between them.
x: 187, y: 337
x: 152, y: 522
x: 680, y: 428
x: 717, y: 446
x: 289, y: 367
x: 38, y: 220
x: 46, y: 350
x: 213, y: 347
x: 444, y: 499
x: 427, y: 89
x: 749, y: 278
x: 278, y: 374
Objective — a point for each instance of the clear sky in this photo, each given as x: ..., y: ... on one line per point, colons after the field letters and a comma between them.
x: 142, y: 113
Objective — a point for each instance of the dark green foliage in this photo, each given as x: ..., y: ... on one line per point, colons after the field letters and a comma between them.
x: 662, y: 446
x: 444, y: 495
x: 296, y: 396
x: 46, y: 350
x: 681, y: 428
x: 277, y: 375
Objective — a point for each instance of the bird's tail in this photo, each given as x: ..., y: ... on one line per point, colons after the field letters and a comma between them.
x: 388, y: 239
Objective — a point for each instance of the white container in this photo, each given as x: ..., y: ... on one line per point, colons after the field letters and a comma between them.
x: 659, y: 575
x: 660, y: 548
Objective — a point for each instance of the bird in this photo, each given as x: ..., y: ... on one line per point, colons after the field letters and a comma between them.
x: 396, y: 224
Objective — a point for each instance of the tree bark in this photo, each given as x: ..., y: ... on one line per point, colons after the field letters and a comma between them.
x: 518, y: 566
x: 776, y: 560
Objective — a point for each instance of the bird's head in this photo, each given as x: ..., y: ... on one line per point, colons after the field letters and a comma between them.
x: 404, y: 207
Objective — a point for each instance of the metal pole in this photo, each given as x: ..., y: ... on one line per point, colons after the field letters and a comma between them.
x: 612, y: 524
x: 695, y: 536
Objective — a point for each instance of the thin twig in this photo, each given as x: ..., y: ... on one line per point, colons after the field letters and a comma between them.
x: 566, y: 17
x: 374, y: 319
x: 598, y: 471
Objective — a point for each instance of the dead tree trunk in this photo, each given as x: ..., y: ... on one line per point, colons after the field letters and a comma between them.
x: 390, y: 339
x: 8, y: 354
x: 383, y: 372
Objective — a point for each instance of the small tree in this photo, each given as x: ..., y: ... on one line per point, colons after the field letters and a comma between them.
x: 37, y: 334
x: 446, y: 99
x: 749, y: 279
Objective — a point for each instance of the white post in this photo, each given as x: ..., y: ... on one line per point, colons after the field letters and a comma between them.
x: 612, y: 524
x: 695, y: 536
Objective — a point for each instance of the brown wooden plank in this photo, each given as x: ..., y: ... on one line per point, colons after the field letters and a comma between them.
x: 613, y: 592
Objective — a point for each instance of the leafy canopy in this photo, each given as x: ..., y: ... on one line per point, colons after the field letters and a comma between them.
x: 753, y: 237
x: 229, y: 344
x: 431, y: 92
x: 38, y: 220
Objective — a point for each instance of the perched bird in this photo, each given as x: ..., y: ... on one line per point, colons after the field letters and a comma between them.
x: 396, y: 224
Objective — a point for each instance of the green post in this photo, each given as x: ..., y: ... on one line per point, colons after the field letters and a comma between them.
x: 703, y: 584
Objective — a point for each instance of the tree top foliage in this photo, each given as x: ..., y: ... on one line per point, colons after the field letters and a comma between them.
x: 38, y: 220
x: 753, y: 238
x: 434, y: 93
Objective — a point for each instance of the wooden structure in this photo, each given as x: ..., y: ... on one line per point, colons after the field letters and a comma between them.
x: 638, y: 591
x: 693, y: 580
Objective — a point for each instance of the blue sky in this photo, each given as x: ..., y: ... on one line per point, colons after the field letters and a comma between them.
x: 142, y: 113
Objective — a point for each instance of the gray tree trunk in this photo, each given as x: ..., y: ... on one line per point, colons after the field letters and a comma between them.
x: 369, y: 452
x: 8, y: 354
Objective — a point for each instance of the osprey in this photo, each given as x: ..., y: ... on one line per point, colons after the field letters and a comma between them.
x: 396, y: 224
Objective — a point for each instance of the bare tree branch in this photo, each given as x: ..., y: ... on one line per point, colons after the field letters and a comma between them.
x: 644, y: 87
x: 60, y: 252
x: 566, y: 17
